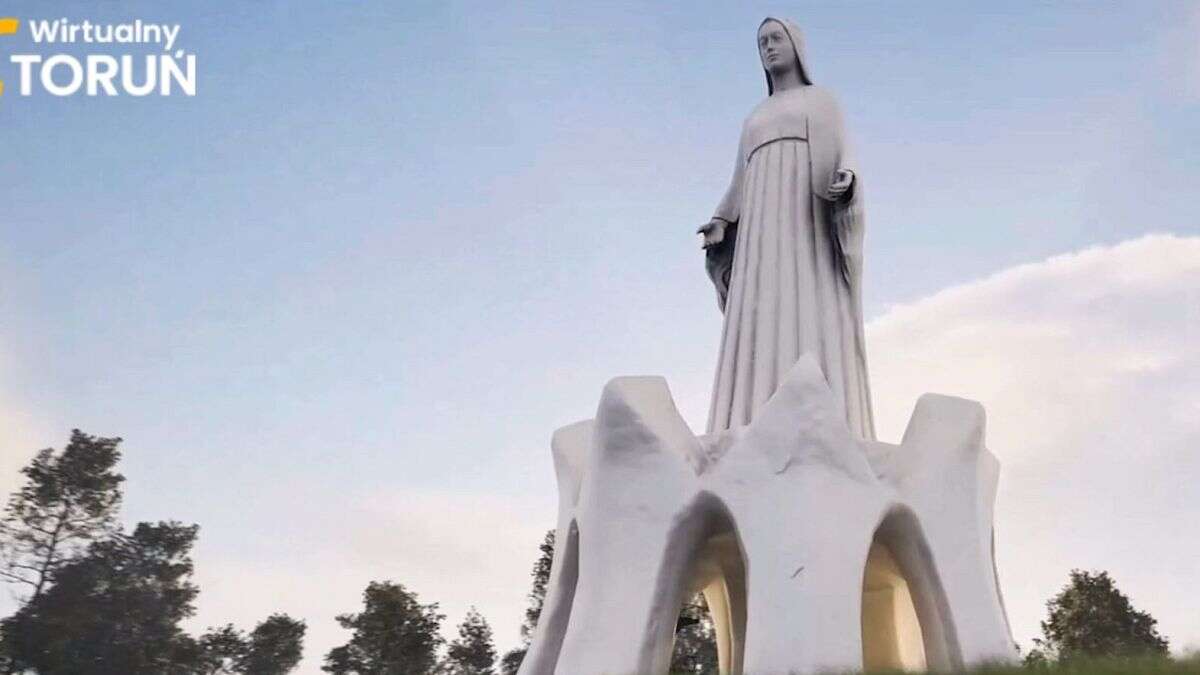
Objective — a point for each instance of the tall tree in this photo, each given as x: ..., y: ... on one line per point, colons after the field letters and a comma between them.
x: 511, y: 661
x: 220, y: 650
x: 115, y: 609
x: 95, y: 600
x: 541, y: 580
x: 274, y: 647
x: 1091, y: 617
x: 68, y: 500
x: 394, y: 635
x: 473, y: 652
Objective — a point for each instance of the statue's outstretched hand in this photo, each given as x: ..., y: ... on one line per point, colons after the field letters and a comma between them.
x: 842, y: 180
x: 713, y: 231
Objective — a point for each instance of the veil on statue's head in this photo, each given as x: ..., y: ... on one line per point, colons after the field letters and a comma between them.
x: 797, y: 38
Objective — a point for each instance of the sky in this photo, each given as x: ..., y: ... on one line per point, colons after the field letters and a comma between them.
x: 337, y: 302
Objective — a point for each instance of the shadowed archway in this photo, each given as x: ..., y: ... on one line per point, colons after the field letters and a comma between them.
x: 906, y: 622
x: 706, y: 556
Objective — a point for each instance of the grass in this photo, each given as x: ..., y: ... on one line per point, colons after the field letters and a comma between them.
x: 1187, y: 665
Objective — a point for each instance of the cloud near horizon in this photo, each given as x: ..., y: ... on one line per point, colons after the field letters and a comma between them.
x: 1088, y: 365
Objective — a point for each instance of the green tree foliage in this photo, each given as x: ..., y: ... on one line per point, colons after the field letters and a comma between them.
x: 473, y: 652
x: 394, y: 635
x: 69, y: 499
x: 96, y: 600
x: 695, y: 640
x: 541, y: 580
x: 274, y: 647
x: 220, y: 650
x: 115, y: 609
x: 1090, y: 618
x: 511, y: 661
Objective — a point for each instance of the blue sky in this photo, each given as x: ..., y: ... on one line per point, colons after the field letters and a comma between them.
x: 389, y: 247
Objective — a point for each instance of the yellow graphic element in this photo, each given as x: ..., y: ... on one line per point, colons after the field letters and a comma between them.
x: 8, y: 26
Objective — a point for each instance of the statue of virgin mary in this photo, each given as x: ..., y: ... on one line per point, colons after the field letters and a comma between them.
x: 784, y: 248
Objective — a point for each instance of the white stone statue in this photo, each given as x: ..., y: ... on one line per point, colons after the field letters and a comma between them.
x: 785, y: 246
x: 817, y: 548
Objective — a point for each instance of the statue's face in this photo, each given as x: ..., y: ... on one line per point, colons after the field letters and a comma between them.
x: 775, y: 48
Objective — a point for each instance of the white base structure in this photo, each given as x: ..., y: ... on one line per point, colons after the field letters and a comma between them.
x: 815, y: 551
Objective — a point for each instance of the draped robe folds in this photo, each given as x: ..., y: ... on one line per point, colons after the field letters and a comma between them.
x: 789, y: 272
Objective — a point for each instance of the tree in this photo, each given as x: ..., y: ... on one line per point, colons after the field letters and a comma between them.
x: 510, y: 663
x: 541, y: 580
x: 220, y: 650
x: 394, y: 635
x: 695, y: 650
x: 537, y: 598
x: 473, y: 653
x: 69, y: 500
x: 274, y: 647
x: 115, y: 609
x: 1091, y: 618
x: 99, y: 601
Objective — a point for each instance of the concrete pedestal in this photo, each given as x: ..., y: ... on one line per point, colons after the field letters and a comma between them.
x: 816, y: 551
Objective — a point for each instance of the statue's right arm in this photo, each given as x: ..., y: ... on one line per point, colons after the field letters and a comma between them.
x: 729, y: 210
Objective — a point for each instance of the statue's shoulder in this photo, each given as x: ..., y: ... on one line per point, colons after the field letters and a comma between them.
x: 823, y: 97
x: 756, y: 110
x: 766, y: 107
x: 812, y: 96
x: 824, y: 107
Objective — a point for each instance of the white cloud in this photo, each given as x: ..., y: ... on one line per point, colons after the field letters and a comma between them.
x: 1089, y: 367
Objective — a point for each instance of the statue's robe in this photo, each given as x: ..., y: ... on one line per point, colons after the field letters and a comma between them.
x: 789, y: 272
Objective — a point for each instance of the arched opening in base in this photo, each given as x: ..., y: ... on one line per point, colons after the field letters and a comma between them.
x: 906, y: 623
x: 714, y: 567
x: 891, y: 631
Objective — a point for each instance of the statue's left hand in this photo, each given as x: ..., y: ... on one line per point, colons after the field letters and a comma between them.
x: 713, y: 231
x: 842, y: 180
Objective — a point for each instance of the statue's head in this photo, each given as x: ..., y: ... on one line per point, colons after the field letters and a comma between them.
x: 781, y: 48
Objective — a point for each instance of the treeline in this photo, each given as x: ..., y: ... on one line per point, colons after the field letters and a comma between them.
x: 96, y: 599
x: 93, y: 598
